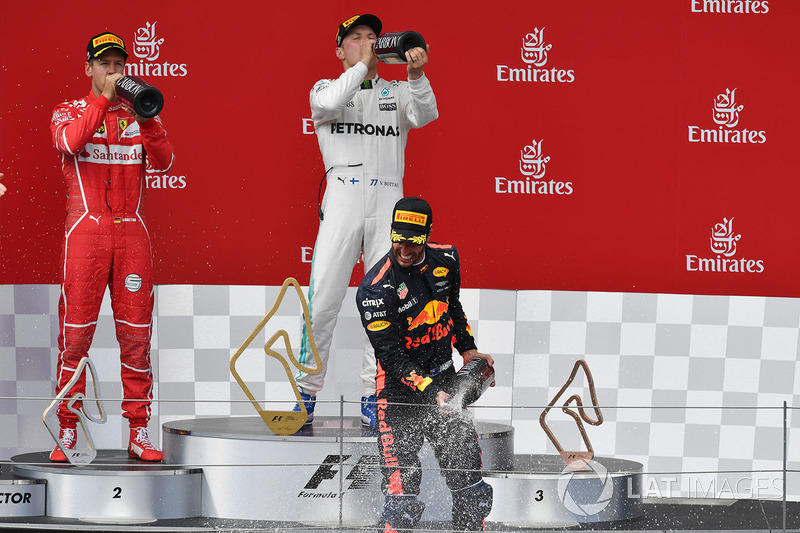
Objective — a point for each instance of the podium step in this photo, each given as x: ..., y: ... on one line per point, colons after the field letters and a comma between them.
x: 113, y: 488
x: 325, y: 472
x: 20, y: 497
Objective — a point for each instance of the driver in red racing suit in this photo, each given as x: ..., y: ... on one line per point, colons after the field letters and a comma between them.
x: 105, y: 148
x: 410, y: 308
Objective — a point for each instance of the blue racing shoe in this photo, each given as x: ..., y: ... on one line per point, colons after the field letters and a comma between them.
x: 368, y: 411
x: 309, y: 400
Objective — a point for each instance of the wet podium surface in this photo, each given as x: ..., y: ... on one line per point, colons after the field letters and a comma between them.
x: 233, y: 473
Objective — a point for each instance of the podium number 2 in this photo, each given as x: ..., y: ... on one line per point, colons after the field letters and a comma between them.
x: 117, y: 492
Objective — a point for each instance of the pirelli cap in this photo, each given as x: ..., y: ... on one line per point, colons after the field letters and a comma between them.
x: 102, y: 42
x: 412, y: 219
x: 356, y: 20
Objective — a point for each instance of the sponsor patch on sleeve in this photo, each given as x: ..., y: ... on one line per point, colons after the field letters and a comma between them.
x: 378, y: 325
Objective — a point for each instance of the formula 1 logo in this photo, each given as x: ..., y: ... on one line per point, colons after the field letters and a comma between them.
x: 726, y: 112
x: 531, y: 160
x: 360, y: 476
x: 534, y: 49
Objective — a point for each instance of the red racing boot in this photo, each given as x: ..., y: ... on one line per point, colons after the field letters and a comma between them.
x: 67, y: 437
x: 140, y: 447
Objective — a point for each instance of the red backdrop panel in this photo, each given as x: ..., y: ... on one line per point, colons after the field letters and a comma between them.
x: 567, y: 154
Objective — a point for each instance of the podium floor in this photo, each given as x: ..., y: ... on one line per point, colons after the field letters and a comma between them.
x: 234, y: 470
x: 659, y: 515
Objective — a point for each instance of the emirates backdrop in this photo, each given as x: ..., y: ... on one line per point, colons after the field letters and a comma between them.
x: 601, y: 146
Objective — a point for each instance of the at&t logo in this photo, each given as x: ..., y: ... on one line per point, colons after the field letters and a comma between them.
x: 147, y: 47
x: 534, y: 53
x: 723, y: 243
x: 532, y: 167
x: 725, y: 113
x: 585, y: 492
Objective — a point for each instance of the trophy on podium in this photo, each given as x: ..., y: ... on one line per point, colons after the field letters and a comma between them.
x: 76, y: 404
x: 575, y: 459
x: 281, y: 422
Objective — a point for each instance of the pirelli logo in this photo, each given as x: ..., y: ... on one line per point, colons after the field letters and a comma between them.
x: 409, y: 217
x: 107, y: 38
x: 349, y: 21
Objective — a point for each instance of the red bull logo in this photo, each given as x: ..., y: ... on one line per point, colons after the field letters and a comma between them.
x: 434, y: 333
x: 440, y: 272
x: 415, y: 381
x: 430, y: 314
x: 387, y: 435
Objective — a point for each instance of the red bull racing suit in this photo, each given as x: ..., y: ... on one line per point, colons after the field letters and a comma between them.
x: 362, y: 127
x: 104, y: 153
x: 413, y: 317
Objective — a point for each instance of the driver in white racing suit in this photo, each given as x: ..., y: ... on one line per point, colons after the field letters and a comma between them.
x: 362, y: 123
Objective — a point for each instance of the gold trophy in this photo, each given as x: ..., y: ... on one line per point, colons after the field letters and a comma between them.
x: 281, y: 422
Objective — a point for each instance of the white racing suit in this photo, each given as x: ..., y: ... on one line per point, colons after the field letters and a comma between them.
x: 362, y: 127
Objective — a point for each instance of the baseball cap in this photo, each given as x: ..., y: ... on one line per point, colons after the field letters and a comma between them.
x: 412, y: 219
x: 102, y: 42
x: 356, y: 20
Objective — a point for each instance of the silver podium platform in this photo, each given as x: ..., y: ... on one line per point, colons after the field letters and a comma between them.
x: 113, y: 488
x: 328, y: 474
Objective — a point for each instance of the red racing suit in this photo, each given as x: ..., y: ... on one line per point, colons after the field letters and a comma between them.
x: 104, y: 154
